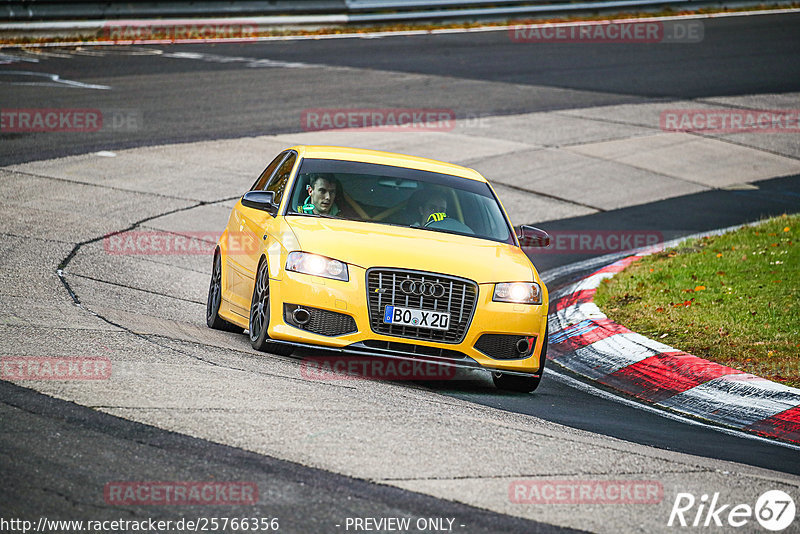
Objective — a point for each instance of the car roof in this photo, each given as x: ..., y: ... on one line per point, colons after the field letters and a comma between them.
x: 386, y: 158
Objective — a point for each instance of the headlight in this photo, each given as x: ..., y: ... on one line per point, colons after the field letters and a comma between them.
x: 303, y: 262
x: 519, y: 292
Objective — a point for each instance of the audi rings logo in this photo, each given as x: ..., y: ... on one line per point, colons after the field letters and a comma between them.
x: 422, y: 289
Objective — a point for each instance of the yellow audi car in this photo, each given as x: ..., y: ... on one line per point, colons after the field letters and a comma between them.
x: 382, y: 255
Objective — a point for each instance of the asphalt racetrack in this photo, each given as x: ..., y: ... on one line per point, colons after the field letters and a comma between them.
x: 569, y: 134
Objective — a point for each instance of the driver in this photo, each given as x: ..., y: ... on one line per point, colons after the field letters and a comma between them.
x: 432, y: 208
x: 321, y: 195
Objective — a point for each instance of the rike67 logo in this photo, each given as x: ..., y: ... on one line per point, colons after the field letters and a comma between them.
x: 774, y: 510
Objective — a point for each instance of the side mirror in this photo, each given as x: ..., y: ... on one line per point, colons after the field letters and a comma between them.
x: 261, y: 200
x: 530, y: 236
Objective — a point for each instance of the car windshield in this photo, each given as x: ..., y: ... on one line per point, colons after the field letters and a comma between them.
x: 384, y: 194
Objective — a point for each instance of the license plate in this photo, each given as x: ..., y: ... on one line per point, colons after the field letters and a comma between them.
x: 418, y: 318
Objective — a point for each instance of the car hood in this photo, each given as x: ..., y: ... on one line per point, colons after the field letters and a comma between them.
x: 377, y: 245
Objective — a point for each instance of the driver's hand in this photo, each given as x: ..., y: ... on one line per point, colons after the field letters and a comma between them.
x: 434, y: 217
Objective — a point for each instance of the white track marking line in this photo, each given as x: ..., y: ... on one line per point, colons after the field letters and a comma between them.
x: 55, y: 80
x: 47, y: 54
x: 122, y: 50
x: 249, y: 61
x: 6, y: 59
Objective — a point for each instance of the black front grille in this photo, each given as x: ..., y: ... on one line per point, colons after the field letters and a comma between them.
x: 414, y: 350
x: 322, y: 322
x: 458, y: 298
x: 503, y: 346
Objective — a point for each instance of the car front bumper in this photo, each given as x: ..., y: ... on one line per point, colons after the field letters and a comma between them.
x: 350, y: 299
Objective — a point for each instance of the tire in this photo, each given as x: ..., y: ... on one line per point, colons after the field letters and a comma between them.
x: 213, y: 320
x: 259, y: 315
x: 523, y: 384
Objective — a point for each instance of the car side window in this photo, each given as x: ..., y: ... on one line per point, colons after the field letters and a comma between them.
x: 277, y: 184
x: 268, y: 172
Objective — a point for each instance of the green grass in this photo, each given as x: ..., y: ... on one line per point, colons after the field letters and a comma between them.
x: 732, y: 299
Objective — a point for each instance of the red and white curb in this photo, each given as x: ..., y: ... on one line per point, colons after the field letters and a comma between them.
x: 590, y: 344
